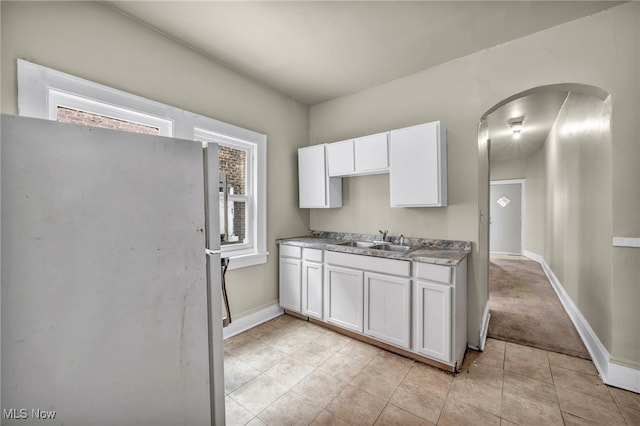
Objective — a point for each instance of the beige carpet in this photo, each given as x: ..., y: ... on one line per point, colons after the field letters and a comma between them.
x: 526, y: 310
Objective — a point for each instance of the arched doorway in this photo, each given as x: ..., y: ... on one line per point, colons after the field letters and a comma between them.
x: 564, y: 156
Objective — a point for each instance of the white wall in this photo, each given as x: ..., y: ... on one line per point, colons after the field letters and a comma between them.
x: 92, y: 41
x: 601, y: 50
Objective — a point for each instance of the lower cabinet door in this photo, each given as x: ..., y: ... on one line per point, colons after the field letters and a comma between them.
x: 344, y: 297
x: 387, y: 308
x: 312, y: 289
x: 433, y: 320
x: 290, y: 283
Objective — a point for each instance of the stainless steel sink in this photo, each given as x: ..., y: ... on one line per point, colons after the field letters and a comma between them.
x: 392, y: 247
x: 361, y: 244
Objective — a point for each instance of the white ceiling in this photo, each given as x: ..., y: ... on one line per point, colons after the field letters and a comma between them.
x: 314, y: 51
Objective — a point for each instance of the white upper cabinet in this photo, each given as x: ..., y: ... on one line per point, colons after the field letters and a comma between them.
x: 360, y: 156
x: 418, y: 166
x: 316, y: 188
x: 340, y: 157
x: 372, y: 153
x: 415, y: 158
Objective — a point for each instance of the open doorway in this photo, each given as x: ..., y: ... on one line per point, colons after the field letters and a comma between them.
x: 532, y: 138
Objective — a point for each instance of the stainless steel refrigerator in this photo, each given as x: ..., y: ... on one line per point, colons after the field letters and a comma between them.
x: 110, y: 277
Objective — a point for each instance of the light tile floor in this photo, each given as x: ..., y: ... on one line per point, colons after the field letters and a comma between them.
x: 291, y: 372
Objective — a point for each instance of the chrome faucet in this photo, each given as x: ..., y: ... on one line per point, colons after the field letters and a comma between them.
x: 383, y: 235
x: 401, y: 239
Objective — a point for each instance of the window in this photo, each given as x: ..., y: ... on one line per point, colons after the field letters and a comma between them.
x: 75, y: 116
x: 49, y: 94
x: 238, y: 183
x: 235, y: 194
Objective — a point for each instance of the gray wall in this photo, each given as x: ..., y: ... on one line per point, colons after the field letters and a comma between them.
x: 535, y: 202
x: 601, y: 50
x: 577, y: 228
x: 94, y: 42
x: 507, y: 169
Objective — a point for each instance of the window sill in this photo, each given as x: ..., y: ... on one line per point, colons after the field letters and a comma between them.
x: 245, y: 260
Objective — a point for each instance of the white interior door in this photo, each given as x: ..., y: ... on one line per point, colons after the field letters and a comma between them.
x: 506, y: 218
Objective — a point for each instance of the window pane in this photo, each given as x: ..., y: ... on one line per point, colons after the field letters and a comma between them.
x: 233, y: 226
x: 74, y: 116
x: 233, y: 162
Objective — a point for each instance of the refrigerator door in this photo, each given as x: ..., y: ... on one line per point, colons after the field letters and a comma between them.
x: 104, y: 279
x: 216, y: 344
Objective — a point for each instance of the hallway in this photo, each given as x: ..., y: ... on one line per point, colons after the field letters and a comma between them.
x: 526, y: 310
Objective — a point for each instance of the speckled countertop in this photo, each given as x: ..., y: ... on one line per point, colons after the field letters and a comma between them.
x: 440, y: 252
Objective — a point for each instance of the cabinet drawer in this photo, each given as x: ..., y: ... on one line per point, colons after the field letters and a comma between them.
x: 370, y: 263
x: 290, y: 251
x: 313, y: 255
x: 431, y: 272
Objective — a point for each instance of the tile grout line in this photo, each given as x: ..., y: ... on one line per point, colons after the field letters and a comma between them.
x: 555, y: 388
x: 448, y: 395
x: 502, y: 385
x: 394, y: 392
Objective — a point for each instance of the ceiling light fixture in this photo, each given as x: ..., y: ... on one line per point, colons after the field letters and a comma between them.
x: 516, y: 126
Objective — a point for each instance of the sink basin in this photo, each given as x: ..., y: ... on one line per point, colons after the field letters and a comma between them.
x: 361, y: 244
x: 392, y: 247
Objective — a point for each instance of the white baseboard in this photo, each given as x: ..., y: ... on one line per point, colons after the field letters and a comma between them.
x: 239, y: 325
x: 610, y: 373
x: 484, y: 328
x: 624, y: 377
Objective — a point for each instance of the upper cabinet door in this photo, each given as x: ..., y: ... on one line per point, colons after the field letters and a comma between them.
x: 372, y: 153
x: 340, y: 158
x: 316, y: 190
x: 418, y: 166
x: 361, y: 156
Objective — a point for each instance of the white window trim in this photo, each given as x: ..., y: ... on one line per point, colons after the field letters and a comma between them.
x: 41, y: 90
x: 251, y: 183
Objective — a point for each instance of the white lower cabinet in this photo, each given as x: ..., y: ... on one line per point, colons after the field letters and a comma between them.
x: 418, y: 307
x: 369, y: 295
x: 312, y: 273
x: 387, y: 308
x: 433, y: 320
x: 289, y: 277
x: 290, y: 284
x: 343, y: 297
x: 440, y: 312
